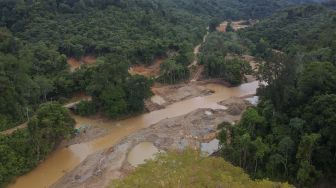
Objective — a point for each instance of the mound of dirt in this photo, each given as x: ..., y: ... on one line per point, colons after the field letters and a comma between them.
x: 168, y: 94
x: 235, y: 106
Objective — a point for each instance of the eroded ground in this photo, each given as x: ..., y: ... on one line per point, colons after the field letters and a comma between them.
x: 152, y: 70
x: 165, y: 95
x: 236, y: 25
x: 77, y: 63
x: 178, y: 133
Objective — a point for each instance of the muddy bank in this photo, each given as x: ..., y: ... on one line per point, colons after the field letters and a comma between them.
x: 87, y: 134
x: 165, y: 95
x: 64, y: 160
x: 190, y: 130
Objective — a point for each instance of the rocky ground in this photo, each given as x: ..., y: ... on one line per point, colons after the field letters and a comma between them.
x: 177, y: 133
x: 87, y: 134
x: 165, y: 95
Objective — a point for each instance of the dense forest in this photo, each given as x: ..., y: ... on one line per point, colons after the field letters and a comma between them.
x: 221, y: 57
x: 22, y: 151
x: 37, y: 37
x: 290, y: 135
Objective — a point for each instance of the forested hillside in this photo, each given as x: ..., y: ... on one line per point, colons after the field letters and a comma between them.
x: 221, y: 57
x: 24, y: 150
x: 138, y: 30
x: 291, y: 134
x: 37, y: 37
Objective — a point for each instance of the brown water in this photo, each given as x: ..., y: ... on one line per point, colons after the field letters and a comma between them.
x: 65, y: 159
x: 142, y: 152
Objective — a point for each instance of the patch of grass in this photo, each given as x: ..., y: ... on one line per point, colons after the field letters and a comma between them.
x: 190, y: 169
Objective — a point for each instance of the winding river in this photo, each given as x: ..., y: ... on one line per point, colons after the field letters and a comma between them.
x: 65, y: 159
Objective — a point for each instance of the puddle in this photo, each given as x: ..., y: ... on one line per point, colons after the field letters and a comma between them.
x: 210, y: 147
x: 142, y: 152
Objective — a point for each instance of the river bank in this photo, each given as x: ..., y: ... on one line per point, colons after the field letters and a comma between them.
x: 177, y: 133
x: 97, y: 154
x: 64, y: 160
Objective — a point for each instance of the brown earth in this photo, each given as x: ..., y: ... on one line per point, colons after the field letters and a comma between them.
x: 148, y: 71
x: 236, y: 25
x: 165, y: 95
x: 12, y: 130
x: 87, y: 134
x: 77, y: 63
x: 176, y: 133
x: 222, y: 27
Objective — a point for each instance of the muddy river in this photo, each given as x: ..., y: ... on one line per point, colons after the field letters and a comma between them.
x: 65, y: 159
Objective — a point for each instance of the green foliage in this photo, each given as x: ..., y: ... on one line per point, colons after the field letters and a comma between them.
x: 113, y: 102
x: 173, y: 72
x: 317, y: 78
x: 24, y: 149
x: 230, y: 70
x: 306, y: 30
x: 33, y: 60
x: 292, y: 131
x: 26, y: 77
x: 229, y: 27
x: 37, y: 36
x: 189, y: 169
x: 49, y: 126
x: 85, y: 108
x: 115, y: 92
x: 216, y: 55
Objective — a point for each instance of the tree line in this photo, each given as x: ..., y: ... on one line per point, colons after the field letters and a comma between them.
x: 290, y: 135
x: 26, y: 148
x: 221, y: 57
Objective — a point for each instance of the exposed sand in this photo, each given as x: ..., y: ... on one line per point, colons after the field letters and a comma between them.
x: 178, y: 133
x: 165, y: 95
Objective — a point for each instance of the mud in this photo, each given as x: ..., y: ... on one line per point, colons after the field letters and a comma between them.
x: 165, y: 95
x: 86, y: 135
x: 191, y: 130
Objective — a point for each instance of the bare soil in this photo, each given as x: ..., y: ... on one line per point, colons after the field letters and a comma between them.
x: 174, y: 93
x: 12, y: 130
x: 77, y: 63
x: 222, y: 27
x: 187, y: 131
x: 86, y: 135
x: 236, y: 25
x: 148, y: 71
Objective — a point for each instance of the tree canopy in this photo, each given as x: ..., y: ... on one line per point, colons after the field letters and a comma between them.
x: 290, y: 134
